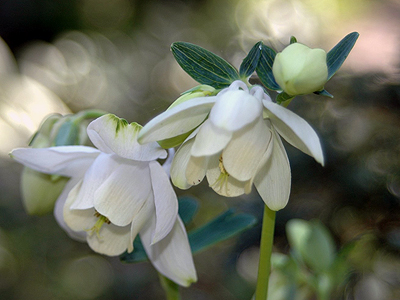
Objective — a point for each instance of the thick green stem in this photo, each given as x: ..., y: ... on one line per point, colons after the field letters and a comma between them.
x: 264, y: 265
x: 171, y: 288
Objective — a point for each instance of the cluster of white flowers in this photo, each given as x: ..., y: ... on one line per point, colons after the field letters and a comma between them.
x: 118, y: 190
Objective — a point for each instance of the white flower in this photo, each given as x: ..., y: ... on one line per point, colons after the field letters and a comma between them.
x: 236, y: 143
x: 116, y: 192
x: 299, y: 69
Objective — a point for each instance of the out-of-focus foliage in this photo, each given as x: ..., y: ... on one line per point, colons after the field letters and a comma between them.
x: 71, y: 55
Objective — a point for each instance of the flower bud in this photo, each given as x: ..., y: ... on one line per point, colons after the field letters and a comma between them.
x: 196, y: 92
x: 40, y: 191
x: 299, y: 69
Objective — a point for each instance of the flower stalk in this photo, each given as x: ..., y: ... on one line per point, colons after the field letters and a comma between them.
x: 171, y: 289
x: 266, y: 243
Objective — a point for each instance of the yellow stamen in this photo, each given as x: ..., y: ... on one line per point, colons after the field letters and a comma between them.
x: 99, y: 223
x: 221, y: 184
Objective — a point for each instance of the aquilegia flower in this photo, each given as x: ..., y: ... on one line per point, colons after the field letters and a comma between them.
x: 116, y: 192
x: 236, y: 142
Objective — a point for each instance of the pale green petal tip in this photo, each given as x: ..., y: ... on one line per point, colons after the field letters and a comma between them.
x: 120, y: 123
x: 189, y: 281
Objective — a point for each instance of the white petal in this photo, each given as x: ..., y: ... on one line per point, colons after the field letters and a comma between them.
x: 111, y: 240
x: 224, y: 185
x: 274, y: 178
x: 58, y: 212
x: 114, y: 135
x: 165, y: 201
x: 65, y: 160
x: 78, y: 219
x: 234, y: 110
x: 122, y: 195
x: 179, y: 165
x: 99, y: 171
x: 210, y: 140
x: 295, y: 130
x: 177, y: 120
x: 242, y: 155
x: 146, y: 213
x: 196, y: 169
x: 171, y: 256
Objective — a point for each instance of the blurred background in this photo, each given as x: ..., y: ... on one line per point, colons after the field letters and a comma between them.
x: 66, y: 56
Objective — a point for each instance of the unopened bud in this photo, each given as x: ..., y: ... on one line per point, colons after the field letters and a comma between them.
x: 300, y: 70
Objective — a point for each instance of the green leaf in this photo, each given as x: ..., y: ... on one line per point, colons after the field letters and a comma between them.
x: 249, y: 64
x: 312, y: 243
x: 188, y: 207
x: 138, y: 254
x: 293, y: 40
x: 204, y: 66
x: 264, y: 68
x: 338, y: 54
x: 221, y: 228
x: 68, y: 134
x: 324, y: 93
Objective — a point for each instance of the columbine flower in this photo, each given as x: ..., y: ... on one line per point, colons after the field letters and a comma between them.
x: 300, y: 70
x: 236, y: 142
x: 116, y: 192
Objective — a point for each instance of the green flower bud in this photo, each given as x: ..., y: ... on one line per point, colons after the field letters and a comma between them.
x: 300, y: 70
x: 196, y: 92
x: 40, y: 191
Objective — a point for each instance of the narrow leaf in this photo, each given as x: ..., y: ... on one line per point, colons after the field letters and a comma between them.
x: 264, y: 68
x: 188, y: 207
x: 204, y: 66
x: 338, y: 54
x: 293, y: 40
x: 138, y: 254
x: 221, y: 228
x: 250, y: 62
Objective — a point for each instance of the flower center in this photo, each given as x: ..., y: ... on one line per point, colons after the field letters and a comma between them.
x: 221, y: 166
x: 99, y: 223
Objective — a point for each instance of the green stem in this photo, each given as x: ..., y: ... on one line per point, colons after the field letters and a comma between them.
x: 171, y: 288
x: 264, y: 265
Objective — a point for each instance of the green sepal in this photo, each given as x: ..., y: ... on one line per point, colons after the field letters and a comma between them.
x: 174, y: 141
x: 68, y: 134
x: 204, y: 66
x: 264, y: 68
x: 293, y: 40
x: 250, y: 62
x: 283, y: 97
x: 324, y: 93
x: 338, y: 54
x: 221, y: 228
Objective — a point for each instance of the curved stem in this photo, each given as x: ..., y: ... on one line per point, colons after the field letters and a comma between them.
x: 264, y: 265
x: 171, y: 288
